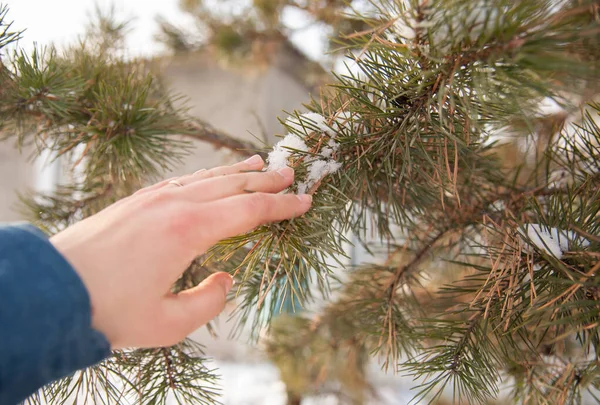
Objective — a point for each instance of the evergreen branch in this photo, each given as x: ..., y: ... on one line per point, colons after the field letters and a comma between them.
x: 204, y: 132
x: 169, y: 369
x: 6, y: 35
x: 554, y: 380
x: 464, y: 358
x: 405, y: 270
x: 178, y: 371
x: 54, y: 212
x: 102, y: 384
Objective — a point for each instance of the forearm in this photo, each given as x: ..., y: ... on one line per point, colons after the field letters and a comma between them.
x: 45, y: 316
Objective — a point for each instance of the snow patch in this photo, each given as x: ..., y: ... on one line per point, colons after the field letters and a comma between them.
x: 330, y: 149
x: 278, y: 157
x: 497, y: 206
x: 319, y: 165
x: 549, y: 106
x: 317, y: 170
x: 560, y: 178
x: 448, y: 25
x: 308, y: 123
x: 553, y: 241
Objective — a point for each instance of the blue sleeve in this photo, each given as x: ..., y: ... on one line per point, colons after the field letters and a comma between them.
x: 45, y: 316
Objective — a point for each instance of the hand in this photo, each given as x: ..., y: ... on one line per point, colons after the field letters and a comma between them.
x: 130, y: 254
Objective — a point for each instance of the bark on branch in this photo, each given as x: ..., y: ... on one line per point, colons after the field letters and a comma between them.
x: 206, y: 133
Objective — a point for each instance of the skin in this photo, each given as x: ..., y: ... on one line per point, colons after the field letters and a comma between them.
x: 130, y: 254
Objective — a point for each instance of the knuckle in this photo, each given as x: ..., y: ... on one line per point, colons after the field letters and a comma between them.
x: 184, y: 179
x: 153, y: 187
x: 153, y: 199
x: 179, y: 223
x: 243, y: 182
x: 259, y: 204
x: 140, y: 192
x: 208, y: 174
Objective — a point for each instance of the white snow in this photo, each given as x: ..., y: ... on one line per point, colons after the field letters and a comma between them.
x: 278, y: 157
x: 331, y: 148
x: 320, y: 165
x: 447, y: 24
x: 326, y: 151
x: 404, y: 21
x: 260, y: 384
x: 308, y: 123
x: 560, y: 178
x: 553, y: 241
x: 317, y: 170
x: 293, y: 142
x: 497, y: 206
x: 579, y: 146
x: 549, y: 106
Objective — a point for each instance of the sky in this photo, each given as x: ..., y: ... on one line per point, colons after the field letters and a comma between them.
x: 61, y: 21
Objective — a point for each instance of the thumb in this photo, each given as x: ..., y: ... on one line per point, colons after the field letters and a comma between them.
x: 198, y: 305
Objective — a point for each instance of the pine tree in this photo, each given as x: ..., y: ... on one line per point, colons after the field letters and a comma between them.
x: 485, y: 204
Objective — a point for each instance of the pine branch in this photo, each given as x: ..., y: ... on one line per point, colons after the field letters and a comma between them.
x: 204, y: 132
x: 6, y: 35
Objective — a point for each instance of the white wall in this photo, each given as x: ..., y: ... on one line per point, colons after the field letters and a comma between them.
x: 16, y: 175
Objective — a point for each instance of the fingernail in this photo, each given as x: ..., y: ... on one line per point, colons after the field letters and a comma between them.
x: 305, y: 198
x: 254, y: 160
x: 228, y: 284
x: 200, y: 171
x: 287, y: 173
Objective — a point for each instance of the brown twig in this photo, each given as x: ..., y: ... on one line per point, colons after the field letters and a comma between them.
x: 169, y: 368
x: 402, y: 270
x: 206, y: 133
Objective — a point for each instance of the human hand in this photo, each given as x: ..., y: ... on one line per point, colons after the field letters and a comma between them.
x: 130, y: 254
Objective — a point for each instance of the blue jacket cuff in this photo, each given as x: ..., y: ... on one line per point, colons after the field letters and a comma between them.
x: 45, y: 315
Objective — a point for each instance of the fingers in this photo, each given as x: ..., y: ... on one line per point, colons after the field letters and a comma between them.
x: 193, y: 308
x: 253, y: 163
x: 153, y: 187
x: 243, y: 183
x: 239, y: 214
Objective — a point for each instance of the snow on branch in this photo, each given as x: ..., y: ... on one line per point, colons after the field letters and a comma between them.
x: 552, y: 241
x: 320, y: 162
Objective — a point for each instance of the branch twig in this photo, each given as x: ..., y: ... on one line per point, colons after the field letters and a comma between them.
x: 204, y: 132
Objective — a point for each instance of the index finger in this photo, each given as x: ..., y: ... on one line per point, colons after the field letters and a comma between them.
x: 239, y: 214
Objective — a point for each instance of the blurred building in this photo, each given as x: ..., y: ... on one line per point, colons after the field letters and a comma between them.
x: 243, y: 101
x: 17, y: 174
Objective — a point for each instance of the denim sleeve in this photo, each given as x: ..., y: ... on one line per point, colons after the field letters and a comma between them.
x: 45, y: 316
